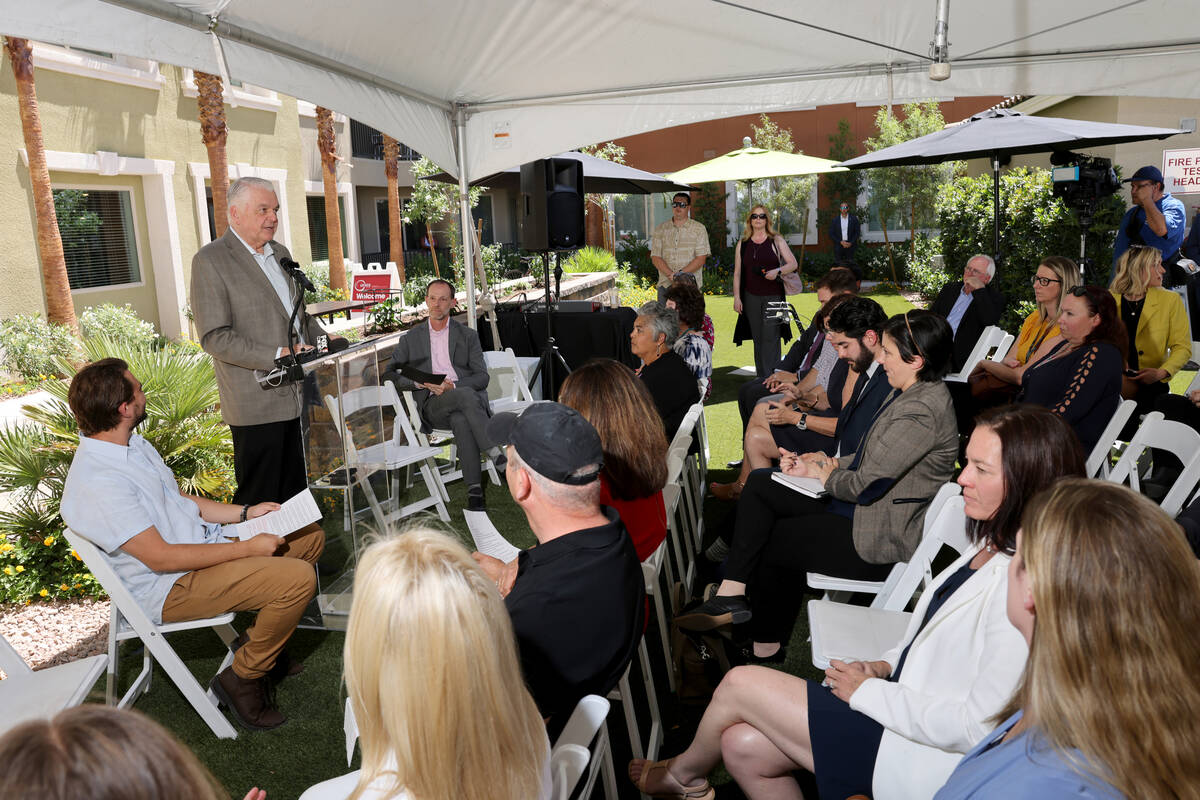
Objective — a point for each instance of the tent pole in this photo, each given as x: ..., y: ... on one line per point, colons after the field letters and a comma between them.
x: 996, y: 207
x: 465, y: 226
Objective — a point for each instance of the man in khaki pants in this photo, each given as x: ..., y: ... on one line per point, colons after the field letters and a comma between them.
x: 167, y: 547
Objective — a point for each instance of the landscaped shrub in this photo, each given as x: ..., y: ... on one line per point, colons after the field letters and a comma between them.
x: 590, y: 259
x: 923, y: 276
x: 634, y: 254
x: 319, y: 275
x: 182, y: 423
x: 119, y: 323
x: 31, y: 345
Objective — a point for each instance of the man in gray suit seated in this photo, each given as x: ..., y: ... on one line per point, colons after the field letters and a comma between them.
x: 442, y: 346
x: 242, y: 299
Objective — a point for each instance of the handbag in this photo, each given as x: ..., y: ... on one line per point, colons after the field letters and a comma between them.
x: 792, y: 282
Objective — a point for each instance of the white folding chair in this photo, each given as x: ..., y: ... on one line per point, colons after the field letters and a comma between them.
x: 934, y: 525
x: 127, y: 620
x: 508, y: 377
x: 586, y: 727
x: 992, y: 337
x: 567, y: 763
x: 403, y: 449
x: 680, y: 520
x: 653, y: 569
x: 26, y: 695
x: 1098, y: 459
x: 1162, y: 434
x: 439, y: 438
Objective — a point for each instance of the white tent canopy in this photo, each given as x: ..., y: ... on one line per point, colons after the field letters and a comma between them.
x: 482, y: 85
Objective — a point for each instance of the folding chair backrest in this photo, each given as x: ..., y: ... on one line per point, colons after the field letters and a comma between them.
x: 1097, y: 461
x: 1180, y: 440
x: 992, y: 336
x: 503, y: 366
x: 589, y: 714
x: 1002, y: 347
x: 11, y: 661
x: 945, y: 523
x: 676, y: 456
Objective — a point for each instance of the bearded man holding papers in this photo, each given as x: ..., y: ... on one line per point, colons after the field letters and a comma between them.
x: 170, y: 549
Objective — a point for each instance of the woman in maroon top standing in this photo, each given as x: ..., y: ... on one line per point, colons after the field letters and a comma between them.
x: 759, y: 259
x: 619, y: 406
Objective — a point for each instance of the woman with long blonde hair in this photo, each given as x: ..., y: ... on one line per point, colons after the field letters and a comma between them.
x: 1107, y: 593
x: 759, y: 259
x: 433, y: 677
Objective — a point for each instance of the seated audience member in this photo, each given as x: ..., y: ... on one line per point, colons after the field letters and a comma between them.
x: 168, y: 549
x: 685, y: 298
x: 1160, y: 339
x: 706, y: 324
x: 997, y: 382
x: 443, y: 346
x: 877, y: 492
x: 895, y: 727
x: 672, y: 385
x: 803, y: 353
x: 1183, y: 408
x: 970, y: 305
x: 610, y: 396
x: 852, y: 332
x: 102, y: 753
x: 1109, y: 706
x: 433, y: 678
x: 577, y: 599
x: 1080, y: 378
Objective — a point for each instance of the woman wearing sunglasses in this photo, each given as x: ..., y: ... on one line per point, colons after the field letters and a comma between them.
x: 761, y: 256
x: 1080, y: 378
x: 1160, y: 339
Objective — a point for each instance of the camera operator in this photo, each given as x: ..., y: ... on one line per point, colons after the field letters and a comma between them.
x: 1157, y: 219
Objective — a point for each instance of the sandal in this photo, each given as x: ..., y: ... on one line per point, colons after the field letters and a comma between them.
x: 726, y: 491
x: 700, y: 791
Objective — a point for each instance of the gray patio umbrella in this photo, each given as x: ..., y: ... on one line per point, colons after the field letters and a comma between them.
x: 599, y: 177
x: 997, y: 134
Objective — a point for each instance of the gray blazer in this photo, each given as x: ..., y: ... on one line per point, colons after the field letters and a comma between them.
x: 907, y: 454
x: 242, y: 325
x: 465, y: 354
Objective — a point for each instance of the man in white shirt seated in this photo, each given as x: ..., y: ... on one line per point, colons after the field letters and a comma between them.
x: 167, y: 547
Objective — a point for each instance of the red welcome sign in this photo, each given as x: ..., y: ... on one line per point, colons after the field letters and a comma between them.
x: 373, y: 287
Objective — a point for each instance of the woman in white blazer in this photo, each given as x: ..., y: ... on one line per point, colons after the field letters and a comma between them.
x: 893, y: 728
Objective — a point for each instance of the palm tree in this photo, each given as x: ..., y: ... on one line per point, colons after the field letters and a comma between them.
x: 391, y: 168
x: 327, y: 144
x: 210, y: 98
x: 56, y: 284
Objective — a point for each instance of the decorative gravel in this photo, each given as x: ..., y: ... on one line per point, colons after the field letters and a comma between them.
x: 56, y: 632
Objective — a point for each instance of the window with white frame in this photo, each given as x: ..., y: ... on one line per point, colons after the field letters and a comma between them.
x: 112, y: 67
x: 98, y: 236
x: 236, y: 93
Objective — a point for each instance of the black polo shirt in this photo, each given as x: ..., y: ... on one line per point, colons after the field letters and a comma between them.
x: 577, y: 608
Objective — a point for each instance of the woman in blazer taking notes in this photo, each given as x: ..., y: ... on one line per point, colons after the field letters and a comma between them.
x: 893, y: 728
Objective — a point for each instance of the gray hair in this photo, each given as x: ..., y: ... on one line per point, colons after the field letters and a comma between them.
x: 662, y: 320
x: 991, y: 263
x: 243, y: 185
x: 574, y: 499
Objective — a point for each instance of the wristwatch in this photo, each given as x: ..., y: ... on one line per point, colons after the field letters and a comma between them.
x: 803, y: 423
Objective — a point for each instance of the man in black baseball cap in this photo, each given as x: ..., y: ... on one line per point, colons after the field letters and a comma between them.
x: 1157, y: 219
x: 577, y: 599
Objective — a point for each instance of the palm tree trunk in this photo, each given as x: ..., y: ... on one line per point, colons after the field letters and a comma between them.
x: 432, y: 249
x: 391, y: 168
x: 327, y: 144
x: 211, y: 101
x: 55, y: 282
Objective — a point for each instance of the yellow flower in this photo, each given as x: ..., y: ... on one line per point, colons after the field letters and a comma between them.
x: 9, y: 571
x: 44, y: 593
x: 64, y: 587
x: 20, y: 568
x: 48, y: 541
x: 79, y: 586
x: 76, y: 555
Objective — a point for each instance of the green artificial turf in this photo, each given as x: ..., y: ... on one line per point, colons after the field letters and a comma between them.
x: 311, y: 746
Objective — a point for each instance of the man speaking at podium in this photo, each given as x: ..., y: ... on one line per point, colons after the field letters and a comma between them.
x: 242, y: 299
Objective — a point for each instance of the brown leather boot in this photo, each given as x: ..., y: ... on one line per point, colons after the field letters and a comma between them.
x: 251, y: 700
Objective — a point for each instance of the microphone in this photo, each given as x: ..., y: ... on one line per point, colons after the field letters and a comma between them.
x: 294, y: 269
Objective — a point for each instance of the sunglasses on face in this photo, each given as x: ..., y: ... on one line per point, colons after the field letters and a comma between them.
x: 1038, y: 280
x: 678, y: 204
x: 758, y: 216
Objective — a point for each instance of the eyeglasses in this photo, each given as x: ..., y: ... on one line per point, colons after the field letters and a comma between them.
x: 758, y: 216
x: 678, y: 204
x: 1038, y: 280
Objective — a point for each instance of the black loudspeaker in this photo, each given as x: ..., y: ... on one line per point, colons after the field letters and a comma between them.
x: 552, y: 204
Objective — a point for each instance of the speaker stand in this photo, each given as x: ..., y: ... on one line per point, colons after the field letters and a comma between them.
x: 551, y: 361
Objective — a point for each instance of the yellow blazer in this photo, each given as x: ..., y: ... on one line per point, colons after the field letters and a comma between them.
x: 1164, y: 339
